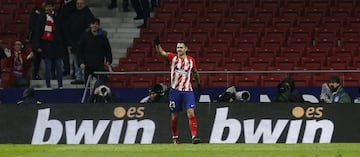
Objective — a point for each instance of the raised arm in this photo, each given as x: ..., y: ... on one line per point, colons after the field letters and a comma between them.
x: 158, y: 48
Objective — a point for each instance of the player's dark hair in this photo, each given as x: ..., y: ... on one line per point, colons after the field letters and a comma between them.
x: 183, y: 42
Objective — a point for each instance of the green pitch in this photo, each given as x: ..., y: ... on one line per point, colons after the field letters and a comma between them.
x: 187, y: 150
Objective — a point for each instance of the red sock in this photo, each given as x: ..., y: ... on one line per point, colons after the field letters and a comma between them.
x: 174, y: 127
x: 193, y: 126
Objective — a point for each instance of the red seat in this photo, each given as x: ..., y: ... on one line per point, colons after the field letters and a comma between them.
x: 220, y: 42
x: 333, y: 21
x: 157, y: 23
x: 164, y: 12
x: 215, y: 12
x: 311, y: 62
x: 271, y: 80
x: 154, y: 64
x: 349, y: 32
x: 220, y: 80
x: 232, y: 23
x: 223, y: 4
x: 224, y: 33
x: 302, y: 79
x: 349, y: 81
x: 246, y: 41
x: 216, y: 51
x: 208, y: 22
x: 301, y: 32
x: 345, y: 3
x: 250, y: 32
x: 356, y: 61
x: 338, y: 62
x: 233, y: 63
x: 295, y: 3
x: 261, y: 61
x: 295, y: 41
x: 195, y: 3
x: 305, y: 21
x: 246, y: 80
x: 292, y: 51
x: 175, y: 34
x: 314, y: 11
x: 283, y: 22
x: 350, y: 41
x: 273, y: 41
x: 208, y: 64
x: 326, y: 41
x: 353, y: 22
x: 260, y: 22
x: 324, y: 32
x: 190, y: 12
x: 241, y: 52
x: 340, y: 11
x: 270, y: 3
x: 118, y: 81
x: 140, y: 52
x: 171, y: 4
x: 287, y: 61
x: 344, y: 51
x: 141, y: 81
x: 276, y: 32
x: 130, y: 64
x: 266, y: 51
x: 183, y: 22
x: 318, y: 52
x: 200, y: 33
x: 244, y: 4
x: 150, y: 33
x: 240, y: 12
x: 265, y: 12
x: 320, y: 3
x: 290, y: 12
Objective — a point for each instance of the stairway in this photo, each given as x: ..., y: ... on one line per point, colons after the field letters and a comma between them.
x: 121, y: 30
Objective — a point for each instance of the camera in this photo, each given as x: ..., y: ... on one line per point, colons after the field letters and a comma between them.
x: 243, y: 96
x: 104, y: 90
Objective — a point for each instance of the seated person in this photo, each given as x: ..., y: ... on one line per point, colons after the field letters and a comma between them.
x: 101, y: 93
x: 157, y: 93
x: 286, y: 91
x: 338, y: 94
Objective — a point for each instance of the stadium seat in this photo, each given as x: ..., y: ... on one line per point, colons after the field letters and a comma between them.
x: 165, y: 13
x: 320, y: 3
x: 215, y: 12
x: 318, y: 52
x: 350, y: 41
x: 301, y: 32
x: 258, y: 22
x: 216, y: 51
x: 224, y: 33
x: 223, y: 4
x: 140, y: 52
x: 251, y: 32
x: 287, y: 61
x: 118, y: 81
x: 353, y: 22
x: 295, y: 3
x: 312, y: 62
x: 246, y: 80
x: 208, y: 64
x: 290, y: 12
x: 246, y: 41
x: 244, y: 4
x: 283, y: 22
x: 200, y: 33
x: 241, y: 52
x: 306, y: 21
x: 221, y: 80
x: 340, y: 11
x: 338, y: 62
x: 270, y: 3
x: 332, y: 21
x: 312, y: 11
x: 195, y: 3
x: 326, y: 41
x: 344, y: 51
x: 268, y: 12
x: 271, y: 80
x: 141, y: 81
x: 206, y: 22
x: 171, y: 4
x: 345, y: 3
x: 190, y: 12
x: 292, y: 51
x: 234, y: 63
x: 261, y: 61
x: 272, y: 41
x: 232, y: 23
x: 349, y: 32
x: 302, y: 79
x: 326, y: 32
x: 266, y: 51
x: 276, y: 32
x: 297, y: 41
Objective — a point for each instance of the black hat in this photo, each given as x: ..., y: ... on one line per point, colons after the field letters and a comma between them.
x: 334, y: 79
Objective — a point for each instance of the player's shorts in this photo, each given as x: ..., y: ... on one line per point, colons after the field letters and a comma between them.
x: 178, y: 98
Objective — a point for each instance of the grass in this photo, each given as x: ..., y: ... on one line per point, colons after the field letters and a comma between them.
x: 188, y: 150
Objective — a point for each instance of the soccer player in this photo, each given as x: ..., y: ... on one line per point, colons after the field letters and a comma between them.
x: 181, y: 91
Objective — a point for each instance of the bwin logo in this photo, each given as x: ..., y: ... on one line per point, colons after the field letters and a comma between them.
x: 91, y: 134
x: 265, y: 130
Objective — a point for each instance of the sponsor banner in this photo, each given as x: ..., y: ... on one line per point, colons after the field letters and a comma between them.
x: 149, y: 123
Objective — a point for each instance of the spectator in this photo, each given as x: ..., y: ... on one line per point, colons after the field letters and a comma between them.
x: 157, y: 94
x: 76, y: 24
x: 142, y: 9
x: 101, y: 93
x: 4, y: 53
x: 34, y: 16
x: 286, y: 91
x: 94, y: 50
x: 20, y: 62
x: 66, y: 9
x: 339, y: 95
x: 125, y: 5
x: 49, y: 42
x: 28, y: 98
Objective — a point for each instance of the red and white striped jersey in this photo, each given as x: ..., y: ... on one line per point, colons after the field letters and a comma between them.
x: 181, y: 69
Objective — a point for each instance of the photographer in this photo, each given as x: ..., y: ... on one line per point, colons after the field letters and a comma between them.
x: 101, y: 93
x: 286, y: 91
x: 157, y: 93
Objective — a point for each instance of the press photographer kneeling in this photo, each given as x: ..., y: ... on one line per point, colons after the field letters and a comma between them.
x: 286, y: 91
